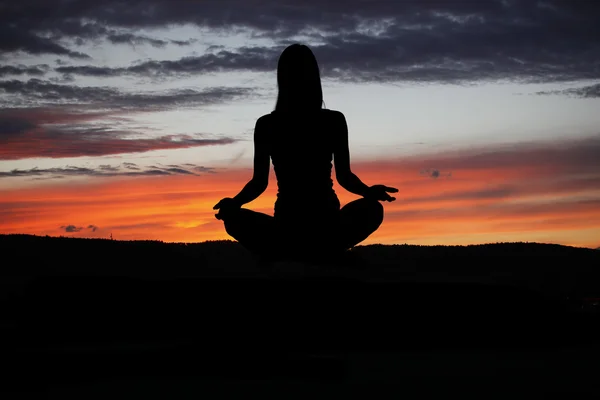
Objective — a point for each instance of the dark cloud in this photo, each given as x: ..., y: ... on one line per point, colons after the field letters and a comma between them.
x: 106, y: 171
x: 135, y: 40
x: 47, y: 178
x: 585, y: 92
x: 131, y: 166
x: 355, y: 40
x: 435, y: 173
x: 183, y: 42
x: 36, y: 90
x: 108, y: 168
x: 13, y: 38
x: 39, y: 92
x: 34, y: 70
x: 138, y: 40
x: 71, y: 228
x: 179, y: 171
x: 91, y: 70
x: 34, y: 117
x: 397, y: 56
x: 14, y: 126
x: 200, y: 168
x: 259, y: 59
x: 35, y: 28
x: 75, y: 229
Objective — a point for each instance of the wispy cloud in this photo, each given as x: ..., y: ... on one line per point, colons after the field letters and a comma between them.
x: 93, y: 142
x: 247, y: 59
x: 37, y: 92
x: 584, y: 92
x: 124, y: 169
x: 58, y: 133
x: 138, y: 40
x: 33, y: 70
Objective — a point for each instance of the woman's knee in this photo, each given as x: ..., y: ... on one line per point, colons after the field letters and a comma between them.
x: 374, y: 209
x: 231, y: 221
x: 247, y: 223
x: 230, y: 227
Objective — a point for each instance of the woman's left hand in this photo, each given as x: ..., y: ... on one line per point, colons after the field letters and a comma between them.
x: 380, y: 192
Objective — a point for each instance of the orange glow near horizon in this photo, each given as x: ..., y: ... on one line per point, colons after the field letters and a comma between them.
x: 531, y: 201
x: 462, y: 209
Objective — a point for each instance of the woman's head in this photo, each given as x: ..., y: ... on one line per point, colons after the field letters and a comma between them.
x: 298, y: 79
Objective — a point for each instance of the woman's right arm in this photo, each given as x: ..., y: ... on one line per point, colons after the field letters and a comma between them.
x: 341, y: 158
x: 260, y: 180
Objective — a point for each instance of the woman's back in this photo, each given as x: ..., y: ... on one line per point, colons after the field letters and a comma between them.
x: 301, y: 145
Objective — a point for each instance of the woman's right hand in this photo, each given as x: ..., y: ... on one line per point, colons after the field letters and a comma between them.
x: 380, y: 192
x: 225, y: 205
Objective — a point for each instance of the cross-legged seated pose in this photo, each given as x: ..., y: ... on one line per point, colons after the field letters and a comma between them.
x: 302, y: 139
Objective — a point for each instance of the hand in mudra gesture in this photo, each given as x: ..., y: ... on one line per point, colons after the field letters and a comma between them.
x: 225, y: 205
x: 380, y: 192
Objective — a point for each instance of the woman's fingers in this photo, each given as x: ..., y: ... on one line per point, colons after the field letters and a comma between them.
x: 386, y: 188
x: 219, y: 204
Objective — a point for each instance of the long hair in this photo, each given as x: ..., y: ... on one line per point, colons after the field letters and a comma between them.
x: 299, y: 80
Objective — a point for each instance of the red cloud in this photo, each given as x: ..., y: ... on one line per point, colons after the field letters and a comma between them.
x: 48, y: 133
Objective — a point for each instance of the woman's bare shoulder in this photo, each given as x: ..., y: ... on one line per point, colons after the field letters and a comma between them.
x: 265, y: 118
x: 264, y: 123
x: 329, y: 114
x: 335, y: 116
x: 333, y: 113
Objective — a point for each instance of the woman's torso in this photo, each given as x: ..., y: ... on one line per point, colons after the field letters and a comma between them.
x: 301, y: 146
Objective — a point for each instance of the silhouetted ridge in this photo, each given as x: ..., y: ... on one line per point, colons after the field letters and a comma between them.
x: 541, y: 266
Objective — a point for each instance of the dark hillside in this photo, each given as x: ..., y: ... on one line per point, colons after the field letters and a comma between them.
x: 82, y: 311
x: 540, y: 266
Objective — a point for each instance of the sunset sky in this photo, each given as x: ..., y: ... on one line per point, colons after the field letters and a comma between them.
x: 135, y: 117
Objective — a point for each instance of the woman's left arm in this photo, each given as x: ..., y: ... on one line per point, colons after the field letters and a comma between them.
x: 262, y: 164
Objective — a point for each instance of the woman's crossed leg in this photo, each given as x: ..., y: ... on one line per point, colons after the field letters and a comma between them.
x: 266, y: 237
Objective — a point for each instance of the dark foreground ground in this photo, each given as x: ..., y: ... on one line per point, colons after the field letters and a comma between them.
x: 95, y: 318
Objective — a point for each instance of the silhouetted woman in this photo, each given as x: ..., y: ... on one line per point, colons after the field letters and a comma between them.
x: 302, y: 139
